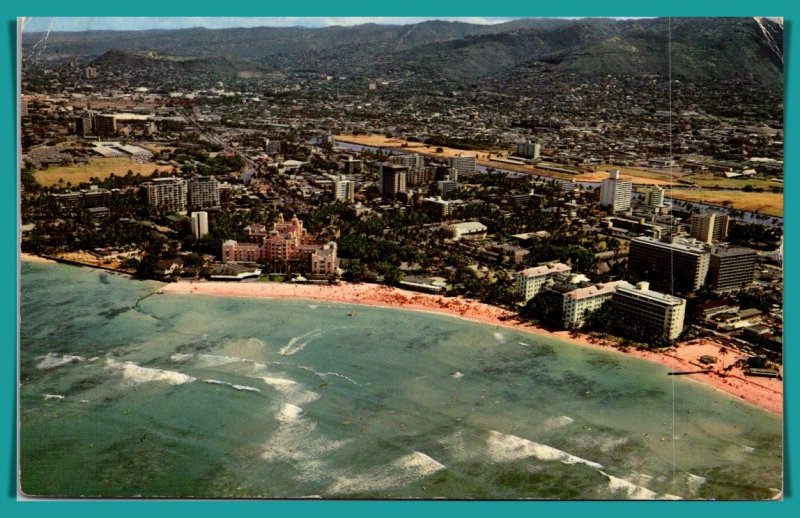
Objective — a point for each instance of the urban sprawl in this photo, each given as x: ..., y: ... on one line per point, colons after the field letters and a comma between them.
x: 571, y: 209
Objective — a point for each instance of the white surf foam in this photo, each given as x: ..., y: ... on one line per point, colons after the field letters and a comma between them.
x: 324, y: 375
x: 279, y: 383
x: 207, y: 360
x: 294, y: 392
x: 558, y: 421
x: 629, y: 489
x: 289, y: 413
x: 298, y: 343
x: 51, y: 361
x: 296, y: 440
x: 53, y: 396
x: 693, y: 482
x: 399, y: 473
x: 634, y: 491
x: 245, y: 388
x: 507, y: 448
x: 237, y: 387
x: 134, y: 373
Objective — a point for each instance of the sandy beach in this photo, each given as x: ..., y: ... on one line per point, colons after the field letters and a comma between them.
x: 30, y: 258
x: 761, y: 392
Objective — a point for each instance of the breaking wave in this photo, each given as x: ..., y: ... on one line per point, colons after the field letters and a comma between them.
x: 507, y: 448
x: 133, y: 373
x: 399, y: 473
x: 634, y: 491
x: 237, y: 387
x: 51, y: 361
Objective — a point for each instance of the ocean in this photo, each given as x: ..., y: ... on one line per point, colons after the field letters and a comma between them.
x: 127, y: 393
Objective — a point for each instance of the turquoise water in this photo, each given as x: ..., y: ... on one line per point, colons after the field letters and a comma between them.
x: 126, y: 393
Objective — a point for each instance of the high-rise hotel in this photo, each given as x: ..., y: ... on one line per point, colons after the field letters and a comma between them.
x: 616, y: 192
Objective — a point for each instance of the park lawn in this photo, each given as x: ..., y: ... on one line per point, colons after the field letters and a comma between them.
x: 96, y: 168
x: 768, y: 203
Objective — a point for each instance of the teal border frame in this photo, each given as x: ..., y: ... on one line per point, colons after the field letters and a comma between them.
x: 9, y: 506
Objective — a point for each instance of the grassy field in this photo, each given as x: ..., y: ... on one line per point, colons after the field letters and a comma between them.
x: 708, y: 180
x: 627, y: 174
x: 767, y: 203
x: 97, y: 168
x: 416, y: 147
x: 638, y: 176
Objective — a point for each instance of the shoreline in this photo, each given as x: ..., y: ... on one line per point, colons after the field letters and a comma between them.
x: 766, y: 394
x: 30, y: 258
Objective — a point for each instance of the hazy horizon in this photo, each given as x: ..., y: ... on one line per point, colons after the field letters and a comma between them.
x: 78, y: 24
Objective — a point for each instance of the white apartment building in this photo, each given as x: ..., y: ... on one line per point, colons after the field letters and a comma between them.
x: 203, y: 192
x: 344, y: 189
x: 530, y: 281
x: 579, y: 303
x: 660, y: 314
x: 167, y: 194
x: 465, y: 165
x: 616, y: 192
x: 199, y: 224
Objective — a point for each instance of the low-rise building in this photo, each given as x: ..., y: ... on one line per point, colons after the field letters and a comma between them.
x: 468, y: 230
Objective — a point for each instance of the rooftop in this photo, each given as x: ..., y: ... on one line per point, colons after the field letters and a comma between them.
x: 724, y: 251
x: 544, y: 269
x: 642, y: 289
x: 597, y: 289
x: 679, y: 245
x: 469, y: 226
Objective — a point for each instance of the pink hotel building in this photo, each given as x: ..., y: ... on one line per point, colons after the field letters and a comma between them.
x: 286, y: 242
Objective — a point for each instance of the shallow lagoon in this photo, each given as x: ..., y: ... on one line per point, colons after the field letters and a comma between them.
x: 128, y: 393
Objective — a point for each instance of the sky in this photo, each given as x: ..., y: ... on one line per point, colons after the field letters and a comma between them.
x: 143, y: 23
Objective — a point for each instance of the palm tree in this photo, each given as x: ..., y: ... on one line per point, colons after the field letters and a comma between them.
x: 723, y: 351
